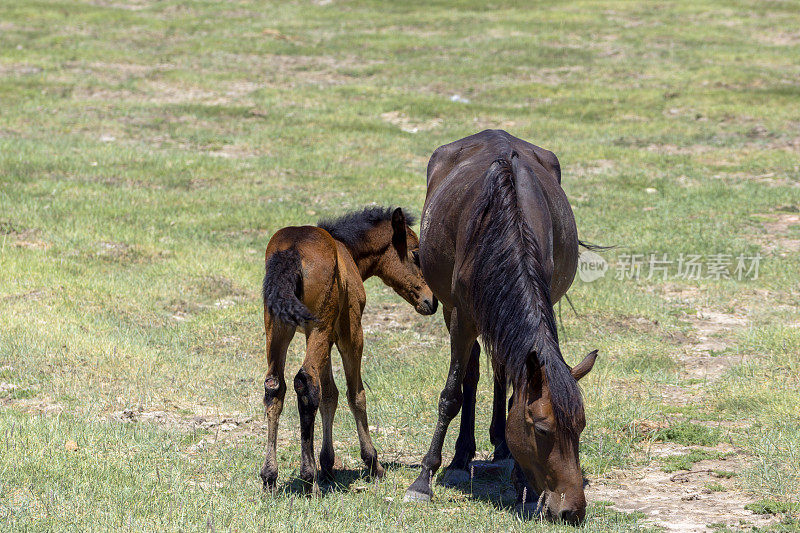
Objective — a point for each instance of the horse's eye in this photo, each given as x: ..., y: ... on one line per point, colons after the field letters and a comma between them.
x: 415, y: 256
x: 542, y: 431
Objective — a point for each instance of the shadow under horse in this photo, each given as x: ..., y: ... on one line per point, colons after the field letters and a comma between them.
x: 314, y: 282
x: 498, y: 246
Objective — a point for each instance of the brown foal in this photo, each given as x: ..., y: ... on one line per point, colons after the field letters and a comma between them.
x: 314, y: 282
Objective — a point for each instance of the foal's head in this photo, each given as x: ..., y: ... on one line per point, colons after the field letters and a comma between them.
x: 382, y: 244
x: 398, y: 265
x: 545, y: 442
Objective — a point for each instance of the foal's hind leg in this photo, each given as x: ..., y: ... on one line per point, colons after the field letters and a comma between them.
x: 307, y: 386
x: 351, y: 346
x: 279, y: 335
x: 465, y: 444
x: 327, y: 408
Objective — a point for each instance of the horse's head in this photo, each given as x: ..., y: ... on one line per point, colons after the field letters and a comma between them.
x: 547, y: 451
x: 398, y: 267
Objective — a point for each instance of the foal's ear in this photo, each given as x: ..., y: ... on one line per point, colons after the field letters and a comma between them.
x: 583, y: 368
x: 399, y: 235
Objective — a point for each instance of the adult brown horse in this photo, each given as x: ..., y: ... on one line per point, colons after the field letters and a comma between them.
x: 314, y: 282
x: 498, y: 243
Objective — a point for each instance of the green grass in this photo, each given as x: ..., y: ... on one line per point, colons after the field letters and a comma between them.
x: 688, y: 433
x: 148, y: 150
x: 771, y: 507
x: 715, y: 487
x: 686, y: 461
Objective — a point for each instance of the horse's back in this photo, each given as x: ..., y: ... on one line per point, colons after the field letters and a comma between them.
x: 455, y: 179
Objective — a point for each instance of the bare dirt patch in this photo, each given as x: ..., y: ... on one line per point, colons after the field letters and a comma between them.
x: 705, y: 358
x: 21, y: 237
x: 686, y: 501
x: 781, y: 233
x: 410, y: 124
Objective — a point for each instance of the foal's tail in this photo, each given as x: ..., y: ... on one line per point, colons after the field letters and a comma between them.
x: 283, y: 287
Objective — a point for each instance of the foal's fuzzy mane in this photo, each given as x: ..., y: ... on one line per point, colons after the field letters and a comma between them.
x: 351, y: 228
x: 511, y: 297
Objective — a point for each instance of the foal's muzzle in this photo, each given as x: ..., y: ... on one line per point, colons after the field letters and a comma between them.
x: 428, y: 306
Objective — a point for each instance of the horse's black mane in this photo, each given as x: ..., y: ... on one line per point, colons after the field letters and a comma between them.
x: 351, y: 227
x: 511, y: 296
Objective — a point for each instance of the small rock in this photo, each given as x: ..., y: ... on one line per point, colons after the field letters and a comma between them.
x: 460, y: 99
x: 71, y: 446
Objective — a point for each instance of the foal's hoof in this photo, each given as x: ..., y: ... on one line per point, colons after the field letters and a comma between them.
x: 329, y: 467
x: 377, y: 471
x: 413, y: 496
x: 455, y: 476
x: 270, y: 481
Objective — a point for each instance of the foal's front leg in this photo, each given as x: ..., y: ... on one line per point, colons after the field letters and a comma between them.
x: 307, y: 386
x: 462, y: 336
x: 351, y: 346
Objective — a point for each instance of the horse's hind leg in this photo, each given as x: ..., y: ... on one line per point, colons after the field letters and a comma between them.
x: 497, y: 429
x: 279, y: 335
x: 351, y: 346
x: 465, y: 444
x: 327, y: 408
x: 307, y: 386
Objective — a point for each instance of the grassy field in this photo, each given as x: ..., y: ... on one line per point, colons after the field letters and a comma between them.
x: 148, y: 150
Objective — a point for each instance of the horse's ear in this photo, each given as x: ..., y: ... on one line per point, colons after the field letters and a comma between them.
x: 399, y: 236
x: 583, y: 368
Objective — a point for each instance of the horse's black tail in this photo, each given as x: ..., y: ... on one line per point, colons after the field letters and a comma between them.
x: 283, y: 287
x: 593, y: 247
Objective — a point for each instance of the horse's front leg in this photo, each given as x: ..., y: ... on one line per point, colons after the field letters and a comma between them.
x: 462, y: 337
x: 465, y: 443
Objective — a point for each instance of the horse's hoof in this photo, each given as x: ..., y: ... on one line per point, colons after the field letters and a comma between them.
x: 505, y: 464
x: 455, y: 476
x: 413, y: 496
